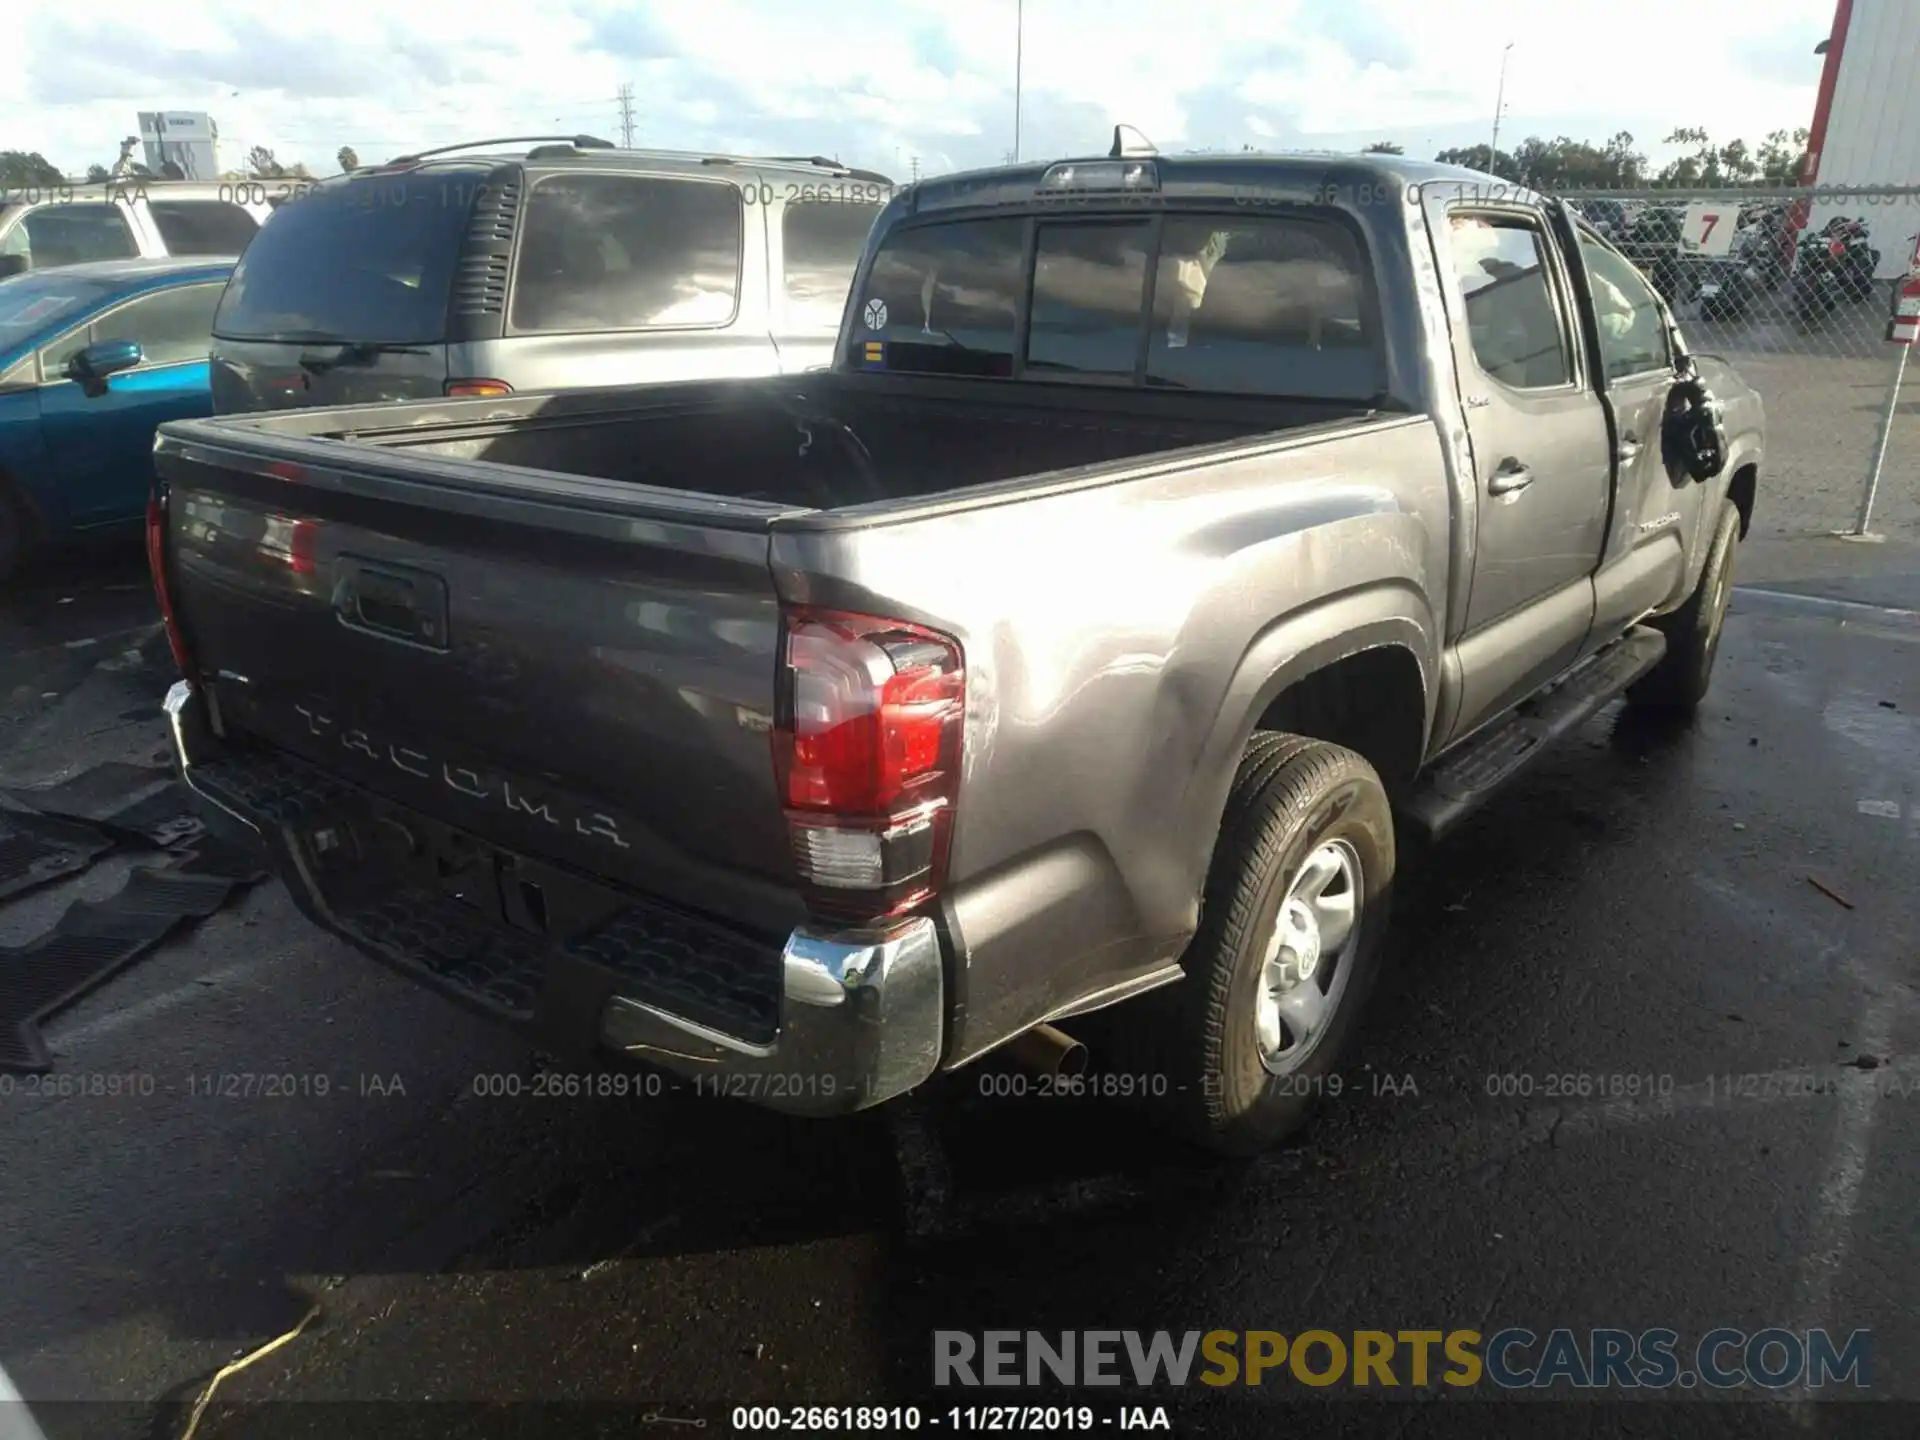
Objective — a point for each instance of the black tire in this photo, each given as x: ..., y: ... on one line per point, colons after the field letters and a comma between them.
x: 1679, y: 682
x: 1293, y: 800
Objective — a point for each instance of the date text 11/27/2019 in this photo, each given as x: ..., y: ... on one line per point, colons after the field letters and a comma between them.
x: 894, y: 1419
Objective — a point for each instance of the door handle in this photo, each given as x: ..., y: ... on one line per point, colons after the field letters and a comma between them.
x: 1629, y: 448
x: 1511, y: 478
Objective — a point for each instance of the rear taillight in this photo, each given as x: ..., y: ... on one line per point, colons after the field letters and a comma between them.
x: 867, y: 748
x: 162, y: 592
x: 469, y: 388
x: 300, y: 547
x: 1837, y: 249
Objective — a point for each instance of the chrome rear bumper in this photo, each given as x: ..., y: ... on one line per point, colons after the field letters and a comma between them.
x: 860, y: 1014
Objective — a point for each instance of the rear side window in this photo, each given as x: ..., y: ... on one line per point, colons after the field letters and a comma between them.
x: 822, y: 241
x: 627, y: 252
x: 202, y: 227
x: 73, y: 234
x: 1512, y: 319
x: 945, y: 299
x: 366, y: 261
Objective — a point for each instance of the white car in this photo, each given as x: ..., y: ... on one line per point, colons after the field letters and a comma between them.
x: 74, y: 221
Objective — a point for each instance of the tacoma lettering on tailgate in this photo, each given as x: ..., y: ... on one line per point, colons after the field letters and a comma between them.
x: 460, y: 779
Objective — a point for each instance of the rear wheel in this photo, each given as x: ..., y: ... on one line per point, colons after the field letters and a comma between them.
x: 1288, y: 945
x: 1679, y: 682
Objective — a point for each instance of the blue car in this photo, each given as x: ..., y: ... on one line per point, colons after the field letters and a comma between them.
x: 92, y: 358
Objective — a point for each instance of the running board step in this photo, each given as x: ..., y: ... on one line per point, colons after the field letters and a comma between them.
x: 1469, y: 775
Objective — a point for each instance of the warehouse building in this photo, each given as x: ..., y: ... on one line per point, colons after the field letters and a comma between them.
x: 1866, y: 122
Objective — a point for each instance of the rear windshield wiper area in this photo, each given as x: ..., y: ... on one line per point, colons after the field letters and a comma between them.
x: 353, y: 354
x: 943, y: 353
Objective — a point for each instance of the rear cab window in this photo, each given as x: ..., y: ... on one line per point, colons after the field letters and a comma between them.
x: 1250, y: 305
x: 627, y: 252
x: 366, y: 261
x: 944, y: 300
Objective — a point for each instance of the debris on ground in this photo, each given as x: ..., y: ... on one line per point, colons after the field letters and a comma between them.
x: 1828, y: 891
x: 206, y: 1395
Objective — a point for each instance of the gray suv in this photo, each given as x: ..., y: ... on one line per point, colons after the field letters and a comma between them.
x: 569, y: 264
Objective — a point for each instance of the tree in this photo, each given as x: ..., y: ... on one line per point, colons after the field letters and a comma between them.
x: 262, y: 166
x: 1567, y: 164
x: 1783, y: 157
x: 27, y: 170
x: 347, y: 158
x: 98, y: 174
x: 1561, y: 163
x: 1479, y: 157
x: 1628, y: 165
x: 1383, y: 147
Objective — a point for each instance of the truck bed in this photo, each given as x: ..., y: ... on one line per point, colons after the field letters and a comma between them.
x: 553, y: 621
x: 822, y: 443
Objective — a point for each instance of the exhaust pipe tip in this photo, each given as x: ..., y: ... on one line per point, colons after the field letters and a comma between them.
x: 1047, y: 1051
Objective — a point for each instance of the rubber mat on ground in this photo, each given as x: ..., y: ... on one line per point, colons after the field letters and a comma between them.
x: 135, y: 803
x: 95, y: 940
x: 37, y: 850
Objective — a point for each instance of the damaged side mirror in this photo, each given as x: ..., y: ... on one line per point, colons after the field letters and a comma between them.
x: 1693, y: 435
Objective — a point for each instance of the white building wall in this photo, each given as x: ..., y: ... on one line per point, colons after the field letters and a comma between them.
x: 188, y: 138
x: 1873, y: 126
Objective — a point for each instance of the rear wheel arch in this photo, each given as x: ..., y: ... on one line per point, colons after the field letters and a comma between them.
x: 1372, y: 702
x: 1289, y: 677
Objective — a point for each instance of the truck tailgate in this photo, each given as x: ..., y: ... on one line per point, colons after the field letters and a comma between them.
x: 573, y: 669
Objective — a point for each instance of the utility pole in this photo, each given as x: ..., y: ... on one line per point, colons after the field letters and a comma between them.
x: 915, y: 162
x: 626, y: 117
x: 1019, y: 47
x: 1499, y: 104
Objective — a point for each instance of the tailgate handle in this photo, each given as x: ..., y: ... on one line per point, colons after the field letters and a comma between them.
x: 399, y: 603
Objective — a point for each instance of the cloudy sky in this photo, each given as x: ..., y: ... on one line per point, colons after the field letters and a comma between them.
x: 882, y: 83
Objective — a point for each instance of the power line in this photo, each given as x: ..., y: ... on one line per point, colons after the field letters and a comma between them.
x: 625, y: 98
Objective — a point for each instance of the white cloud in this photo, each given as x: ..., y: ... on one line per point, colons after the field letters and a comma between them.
x: 881, y: 81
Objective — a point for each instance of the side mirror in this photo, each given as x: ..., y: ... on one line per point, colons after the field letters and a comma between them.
x: 93, y: 365
x: 11, y: 265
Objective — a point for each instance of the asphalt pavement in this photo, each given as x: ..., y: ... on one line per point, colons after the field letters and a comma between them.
x: 1644, y: 1055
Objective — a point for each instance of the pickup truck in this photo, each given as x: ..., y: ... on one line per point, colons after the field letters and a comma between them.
x: 1169, y: 539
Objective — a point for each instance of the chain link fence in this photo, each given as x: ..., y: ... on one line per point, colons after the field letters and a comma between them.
x: 1794, y: 287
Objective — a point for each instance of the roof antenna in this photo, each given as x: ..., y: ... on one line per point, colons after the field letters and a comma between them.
x: 1123, y: 146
